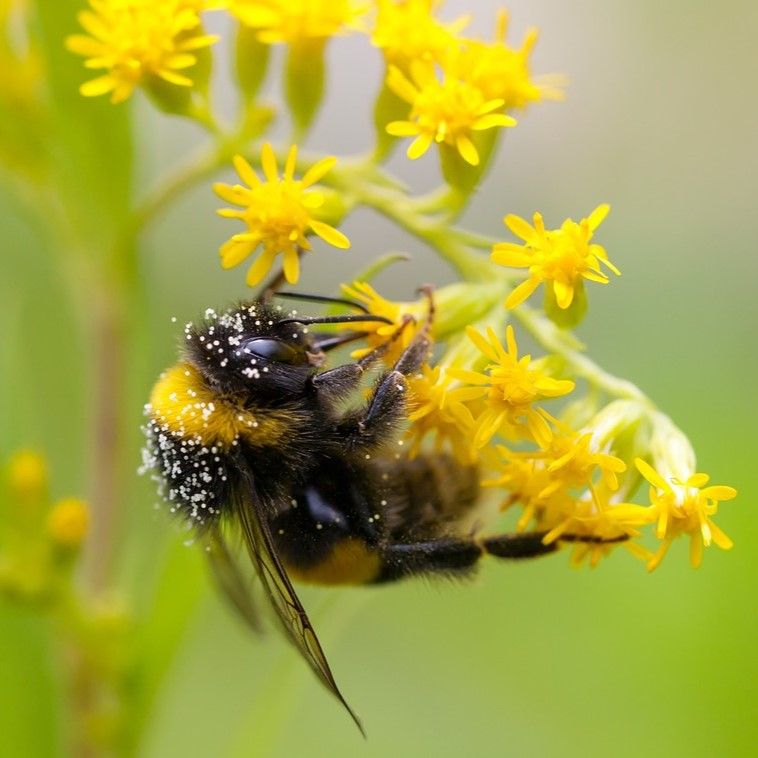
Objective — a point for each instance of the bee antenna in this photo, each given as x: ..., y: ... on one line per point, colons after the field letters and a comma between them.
x: 347, y: 319
x: 322, y: 299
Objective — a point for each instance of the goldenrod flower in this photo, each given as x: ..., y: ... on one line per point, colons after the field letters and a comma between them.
x: 295, y: 21
x: 563, y: 257
x: 377, y: 333
x: 444, y: 112
x: 594, y: 516
x: 511, y: 386
x: 406, y: 31
x: 438, y: 409
x: 68, y: 522
x: 27, y: 476
x: 503, y: 72
x: 685, y: 507
x: 137, y: 39
x: 573, y: 458
x: 530, y: 485
x: 278, y: 213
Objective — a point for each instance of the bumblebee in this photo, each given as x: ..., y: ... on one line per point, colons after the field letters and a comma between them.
x: 249, y: 432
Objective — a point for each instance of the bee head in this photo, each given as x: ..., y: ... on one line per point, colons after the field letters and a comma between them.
x: 253, y: 348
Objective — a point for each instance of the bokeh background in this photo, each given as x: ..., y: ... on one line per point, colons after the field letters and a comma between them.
x: 528, y: 660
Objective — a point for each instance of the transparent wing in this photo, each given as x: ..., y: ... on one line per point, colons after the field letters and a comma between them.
x: 284, y: 600
x: 230, y: 579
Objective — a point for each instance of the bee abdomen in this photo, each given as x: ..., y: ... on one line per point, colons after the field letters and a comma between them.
x: 428, y: 495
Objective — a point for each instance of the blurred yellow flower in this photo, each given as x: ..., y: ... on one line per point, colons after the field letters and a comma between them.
x: 406, y: 31
x: 278, y: 213
x: 137, y: 39
x: 68, y: 522
x: 511, y: 385
x: 503, y: 72
x: 295, y: 21
x: 564, y: 257
x: 27, y: 475
x: 444, y: 112
x: 685, y: 507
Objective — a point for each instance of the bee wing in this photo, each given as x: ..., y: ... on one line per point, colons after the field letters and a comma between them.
x: 231, y: 580
x: 284, y: 600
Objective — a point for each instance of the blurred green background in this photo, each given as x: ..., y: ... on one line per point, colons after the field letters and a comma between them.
x: 532, y: 660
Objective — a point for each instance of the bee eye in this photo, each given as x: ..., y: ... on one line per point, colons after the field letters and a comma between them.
x: 273, y: 350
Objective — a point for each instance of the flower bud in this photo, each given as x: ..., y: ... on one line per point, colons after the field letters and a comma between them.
x: 68, y: 522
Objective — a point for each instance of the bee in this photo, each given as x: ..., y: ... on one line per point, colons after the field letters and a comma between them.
x: 248, y: 432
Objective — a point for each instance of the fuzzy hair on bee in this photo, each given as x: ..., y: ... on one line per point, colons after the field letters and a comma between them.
x: 248, y: 434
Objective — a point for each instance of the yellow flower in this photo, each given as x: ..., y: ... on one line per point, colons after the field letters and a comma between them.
x: 679, y: 508
x: 595, y: 517
x: 511, y: 385
x: 563, y: 257
x: 407, y: 31
x: 439, y: 410
x: 68, y: 522
x: 377, y: 333
x: 573, y: 458
x: 27, y: 476
x: 295, y: 21
x: 444, y: 112
x: 530, y: 485
x: 137, y: 39
x: 278, y: 213
x: 503, y: 72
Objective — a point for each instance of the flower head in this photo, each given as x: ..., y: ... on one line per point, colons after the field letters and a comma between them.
x: 502, y: 72
x: 68, y: 522
x: 603, y: 523
x: 446, y: 112
x: 137, y: 39
x: 685, y: 507
x: 278, y: 212
x: 27, y: 475
x: 406, y: 31
x: 511, y: 386
x: 563, y: 257
x: 405, y: 317
x: 438, y: 409
x: 295, y: 21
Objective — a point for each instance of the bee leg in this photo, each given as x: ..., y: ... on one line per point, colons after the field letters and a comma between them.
x: 458, y: 556
x: 343, y: 379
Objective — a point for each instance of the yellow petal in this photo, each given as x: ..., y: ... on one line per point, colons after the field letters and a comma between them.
x: 245, y: 171
x: 402, y: 128
x: 235, y: 253
x: 491, y: 120
x: 564, y: 294
x: 719, y: 492
x: 98, y: 86
x: 173, y: 78
x: 291, y: 266
x: 260, y: 267
x: 400, y: 85
x: 268, y: 161
x: 519, y: 227
x: 330, y: 234
x: 419, y: 146
x: 289, y: 168
x: 467, y: 150
x: 522, y: 292
x: 598, y: 215
x: 318, y: 170
x: 652, y: 475
x: 482, y: 344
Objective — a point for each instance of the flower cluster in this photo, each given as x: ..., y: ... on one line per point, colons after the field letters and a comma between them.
x: 39, y: 538
x: 572, y: 470
x: 561, y: 257
x: 279, y: 213
x: 138, y: 40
